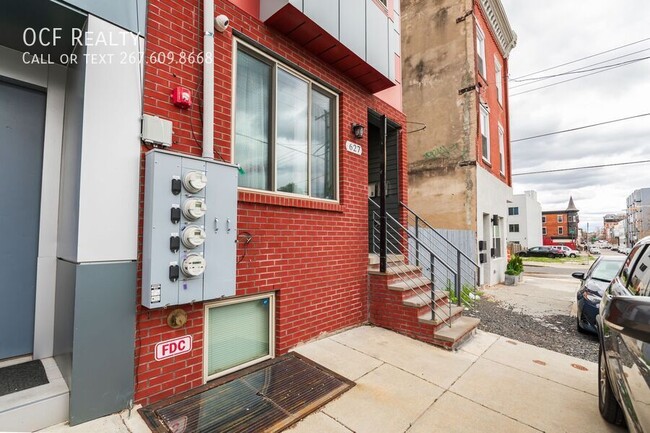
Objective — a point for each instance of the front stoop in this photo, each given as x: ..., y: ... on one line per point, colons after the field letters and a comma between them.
x: 39, y: 407
x: 404, y: 305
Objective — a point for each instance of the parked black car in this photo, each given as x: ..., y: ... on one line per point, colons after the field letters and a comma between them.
x: 541, y: 252
x: 592, y: 285
x: 624, y: 332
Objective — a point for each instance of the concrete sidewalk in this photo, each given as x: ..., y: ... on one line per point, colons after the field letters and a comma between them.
x: 402, y: 385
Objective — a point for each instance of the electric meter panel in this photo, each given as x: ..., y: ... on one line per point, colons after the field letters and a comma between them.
x: 189, y: 239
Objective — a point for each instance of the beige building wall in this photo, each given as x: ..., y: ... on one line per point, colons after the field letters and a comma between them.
x: 438, y: 61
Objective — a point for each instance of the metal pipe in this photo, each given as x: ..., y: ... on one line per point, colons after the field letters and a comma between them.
x: 208, y: 79
x: 382, y: 197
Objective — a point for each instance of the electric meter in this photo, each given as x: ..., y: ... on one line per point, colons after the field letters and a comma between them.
x: 193, y: 236
x: 193, y: 265
x: 195, y: 181
x: 194, y: 208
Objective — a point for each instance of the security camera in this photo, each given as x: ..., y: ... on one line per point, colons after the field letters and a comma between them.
x: 221, y: 23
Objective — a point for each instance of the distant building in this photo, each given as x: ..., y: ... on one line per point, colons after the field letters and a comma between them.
x: 561, y: 226
x: 525, y: 220
x: 609, y: 223
x: 638, y: 215
x: 619, y: 234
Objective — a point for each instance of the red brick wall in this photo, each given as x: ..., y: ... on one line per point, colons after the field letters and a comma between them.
x: 552, y: 225
x: 498, y: 111
x: 312, y: 254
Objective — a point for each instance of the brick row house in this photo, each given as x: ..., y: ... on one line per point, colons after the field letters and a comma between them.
x: 560, y: 227
x: 455, y: 90
x: 187, y: 218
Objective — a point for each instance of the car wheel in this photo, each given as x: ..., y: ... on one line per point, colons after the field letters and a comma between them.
x: 551, y: 256
x: 607, y: 404
x: 572, y: 256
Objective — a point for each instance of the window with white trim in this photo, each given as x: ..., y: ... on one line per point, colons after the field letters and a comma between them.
x: 498, y: 79
x: 485, y: 133
x: 238, y: 333
x: 284, y: 128
x: 544, y: 231
x: 560, y: 219
x: 513, y: 228
x: 543, y: 219
x: 502, y: 156
x: 560, y: 230
x: 480, y: 51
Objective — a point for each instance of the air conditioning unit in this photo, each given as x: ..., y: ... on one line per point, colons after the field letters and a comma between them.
x: 481, y: 245
x: 482, y: 258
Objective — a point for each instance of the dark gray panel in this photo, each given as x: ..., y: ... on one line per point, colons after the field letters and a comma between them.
x: 129, y: 14
x: 66, y: 275
x: 22, y: 123
x: 104, y: 340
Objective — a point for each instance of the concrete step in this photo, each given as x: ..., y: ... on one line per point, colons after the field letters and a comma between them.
x: 38, y: 407
x: 423, y: 300
x: 394, y: 269
x: 410, y: 284
x: 442, y: 314
x: 461, y: 330
x: 373, y: 259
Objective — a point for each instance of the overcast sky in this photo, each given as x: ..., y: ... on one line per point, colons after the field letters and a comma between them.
x: 553, y: 32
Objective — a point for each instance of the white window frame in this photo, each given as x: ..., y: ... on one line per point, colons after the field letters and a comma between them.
x: 480, y: 50
x: 206, y: 342
x: 277, y: 64
x: 543, y: 219
x: 560, y: 230
x: 485, y: 131
x: 502, y: 151
x: 560, y: 219
x: 498, y: 79
x: 544, y: 231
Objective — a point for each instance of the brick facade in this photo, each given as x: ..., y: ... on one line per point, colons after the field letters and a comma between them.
x: 312, y: 254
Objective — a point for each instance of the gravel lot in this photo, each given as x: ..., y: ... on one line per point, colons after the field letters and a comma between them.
x: 555, y: 332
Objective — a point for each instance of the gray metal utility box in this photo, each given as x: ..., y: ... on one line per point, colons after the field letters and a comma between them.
x: 190, y: 229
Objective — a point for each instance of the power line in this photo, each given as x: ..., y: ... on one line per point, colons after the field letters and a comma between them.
x: 529, y: 81
x: 580, y: 127
x: 586, y: 167
x: 582, y: 58
x: 583, y: 76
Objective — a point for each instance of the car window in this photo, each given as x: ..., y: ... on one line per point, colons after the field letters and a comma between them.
x: 635, y: 268
x: 605, y: 270
x: 641, y: 275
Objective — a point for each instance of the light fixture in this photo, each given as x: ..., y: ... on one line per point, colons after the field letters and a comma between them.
x: 358, y: 130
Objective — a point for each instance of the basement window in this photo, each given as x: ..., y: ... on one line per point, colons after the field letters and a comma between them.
x: 238, y: 333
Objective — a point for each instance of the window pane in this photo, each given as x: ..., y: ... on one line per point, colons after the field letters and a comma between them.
x: 252, y: 121
x: 322, y: 149
x: 292, y: 147
x: 237, y: 333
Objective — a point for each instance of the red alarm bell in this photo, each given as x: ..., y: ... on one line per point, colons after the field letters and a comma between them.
x: 182, y: 97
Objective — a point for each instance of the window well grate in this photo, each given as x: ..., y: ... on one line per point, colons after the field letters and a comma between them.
x: 264, y: 398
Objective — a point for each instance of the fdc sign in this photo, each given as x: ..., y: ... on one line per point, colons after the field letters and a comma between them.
x: 177, y: 346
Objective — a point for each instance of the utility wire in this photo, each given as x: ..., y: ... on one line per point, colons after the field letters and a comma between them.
x: 529, y: 81
x: 586, y: 167
x: 582, y: 76
x: 580, y: 127
x: 582, y: 58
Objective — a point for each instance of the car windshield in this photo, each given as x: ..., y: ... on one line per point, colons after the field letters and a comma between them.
x: 606, y: 270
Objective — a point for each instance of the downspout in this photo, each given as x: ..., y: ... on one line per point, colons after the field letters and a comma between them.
x: 208, y: 79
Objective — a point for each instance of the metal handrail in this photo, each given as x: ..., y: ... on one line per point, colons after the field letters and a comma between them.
x: 396, y: 242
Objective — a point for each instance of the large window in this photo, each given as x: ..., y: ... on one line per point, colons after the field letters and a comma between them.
x: 480, y: 51
x: 513, y: 210
x: 502, y: 157
x: 238, y: 333
x: 285, y: 129
x: 485, y: 134
x: 513, y: 228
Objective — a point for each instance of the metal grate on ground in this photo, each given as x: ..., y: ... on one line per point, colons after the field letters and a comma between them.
x: 267, y: 397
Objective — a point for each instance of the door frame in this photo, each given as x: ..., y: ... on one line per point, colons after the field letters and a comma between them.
x: 52, y: 79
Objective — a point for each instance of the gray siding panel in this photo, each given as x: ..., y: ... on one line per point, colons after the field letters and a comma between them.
x: 353, y: 30
x: 325, y: 13
x: 128, y: 14
x: 377, y: 33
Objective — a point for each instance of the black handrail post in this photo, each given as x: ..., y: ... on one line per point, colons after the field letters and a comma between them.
x: 417, y: 241
x: 458, y: 277
x: 382, y: 196
x: 433, y: 287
